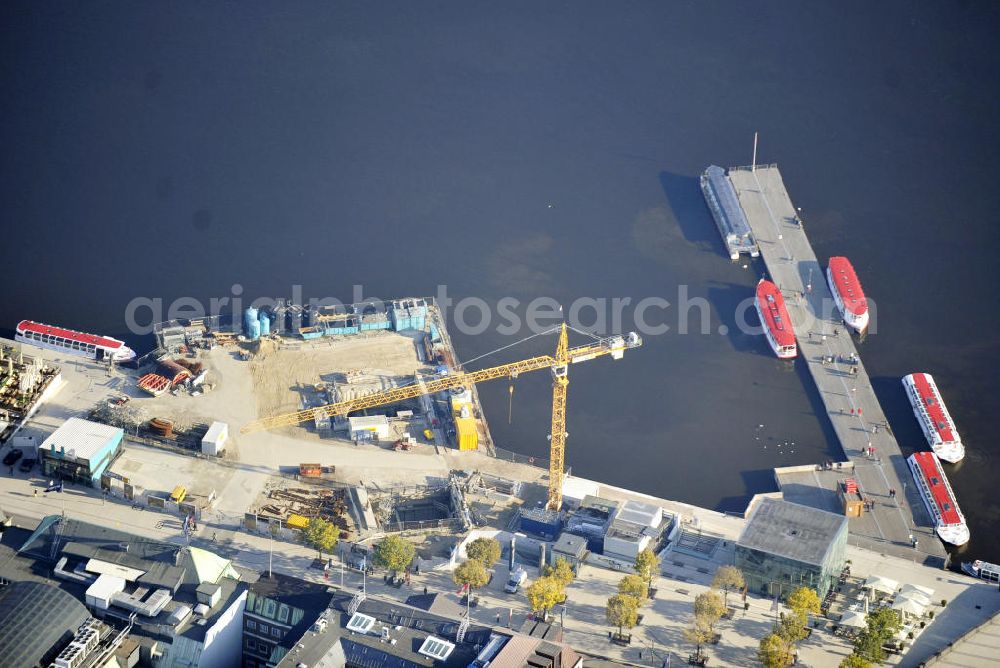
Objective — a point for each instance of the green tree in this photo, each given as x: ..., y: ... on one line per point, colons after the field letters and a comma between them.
x: 709, y: 606
x: 698, y: 634
x: 792, y: 627
x: 321, y: 535
x: 647, y: 565
x: 804, y: 601
x: 544, y: 593
x: 562, y: 572
x: 883, y: 624
x: 471, y: 573
x: 634, y: 586
x: 728, y: 578
x: 855, y: 661
x: 394, y: 554
x: 484, y: 550
x: 622, y: 611
x: 775, y: 652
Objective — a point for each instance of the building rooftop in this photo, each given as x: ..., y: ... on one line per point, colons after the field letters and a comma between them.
x: 81, y: 439
x: 335, y: 643
x: 571, y: 544
x: 789, y: 530
x: 643, y: 514
x: 438, y: 604
x: 36, y: 621
x: 73, y: 555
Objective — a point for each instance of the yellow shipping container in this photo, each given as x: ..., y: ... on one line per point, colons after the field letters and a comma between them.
x: 468, y: 433
x: 297, y: 521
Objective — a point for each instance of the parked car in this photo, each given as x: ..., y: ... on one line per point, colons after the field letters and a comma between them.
x: 11, y: 457
x: 517, y: 578
x: 27, y: 464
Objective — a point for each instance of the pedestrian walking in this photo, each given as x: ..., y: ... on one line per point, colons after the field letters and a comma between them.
x: 425, y: 590
x: 35, y: 493
x: 498, y: 618
x: 874, y: 429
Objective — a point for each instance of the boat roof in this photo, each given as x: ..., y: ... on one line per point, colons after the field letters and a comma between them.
x: 930, y: 397
x: 848, y: 285
x: 72, y: 335
x: 930, y: 469
x: 776, y: 319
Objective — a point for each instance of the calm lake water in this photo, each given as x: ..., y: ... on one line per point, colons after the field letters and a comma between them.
x: 523, y: 150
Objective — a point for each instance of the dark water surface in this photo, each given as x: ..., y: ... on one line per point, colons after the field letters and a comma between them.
x: 527, y: 149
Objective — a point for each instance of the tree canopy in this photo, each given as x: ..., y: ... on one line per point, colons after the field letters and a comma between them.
x: 883, y: 624
x: 855, y: 661
x: 804, y: 601
x: 647, y: 565
x: 728, y: 578
x: 484, y: 550
x: 471, y: 573
x: 562, y: 572
x: 544, y: 593
x: 709, y: 606
x: 634, y: 586
x: 775, y: 652
x: 698, y: 633
x: 622, y: 611
x: 321, y: 535
x: 394, y: 553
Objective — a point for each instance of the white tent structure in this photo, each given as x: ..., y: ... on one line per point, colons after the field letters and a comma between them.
x: 854, y: 619
x: 881, y: 584
x: 920, y: 589
x: 908, y: 606
x: 916, y: 597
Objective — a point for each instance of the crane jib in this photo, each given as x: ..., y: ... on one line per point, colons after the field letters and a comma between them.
x: 613, y: 346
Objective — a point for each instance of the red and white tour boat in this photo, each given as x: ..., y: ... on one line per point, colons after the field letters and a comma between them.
x: 933, y: 416
x: 73, y: 342
x: 949, y: 522
x: 774, y: 319
x: 847, y: 293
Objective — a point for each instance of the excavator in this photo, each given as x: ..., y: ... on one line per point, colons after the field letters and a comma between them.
x: 615, y: 346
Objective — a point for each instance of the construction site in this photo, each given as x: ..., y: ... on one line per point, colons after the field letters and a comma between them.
x: 25, y: 382
x: 360, y: 415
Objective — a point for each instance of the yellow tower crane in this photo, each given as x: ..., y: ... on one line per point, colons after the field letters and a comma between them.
x: 558, y: 363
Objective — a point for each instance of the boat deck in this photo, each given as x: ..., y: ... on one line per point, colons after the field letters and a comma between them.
x: 720, y: 196
x: 850, y: 401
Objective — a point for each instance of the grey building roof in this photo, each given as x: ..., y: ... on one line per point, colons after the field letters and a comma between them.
x: 29, y: 555
x: 439, y: 604
x: 570, y: 544
x: 36, y: 621
x: 637, y: 512
x: 292, y: 591
x: 790, y: 530
x: 318, y: 649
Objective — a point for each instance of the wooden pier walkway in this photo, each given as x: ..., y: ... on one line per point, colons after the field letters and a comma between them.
x: 849, y: 399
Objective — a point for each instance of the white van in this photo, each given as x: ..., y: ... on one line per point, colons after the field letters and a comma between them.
x: 517, y: 578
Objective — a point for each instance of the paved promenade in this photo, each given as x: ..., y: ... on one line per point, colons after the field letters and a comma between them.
x: 850, y: 401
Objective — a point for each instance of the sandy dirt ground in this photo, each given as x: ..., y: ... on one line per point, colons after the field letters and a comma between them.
x: 281, y: 376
